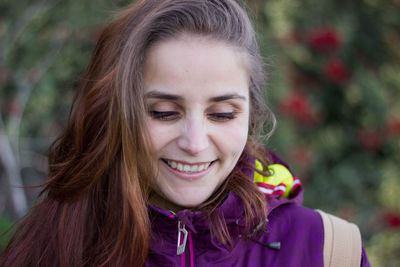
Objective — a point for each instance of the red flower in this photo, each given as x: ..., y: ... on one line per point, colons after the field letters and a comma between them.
x: 336, y: 71
x: 393, y: 128
x: 371, y: 139
x: 324, y: 40
x: 300, y: 108
x: 391, y: 219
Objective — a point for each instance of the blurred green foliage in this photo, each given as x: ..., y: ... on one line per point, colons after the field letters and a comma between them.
x: 334, y: 84
x: 5, y: 234
x: 335, y: 87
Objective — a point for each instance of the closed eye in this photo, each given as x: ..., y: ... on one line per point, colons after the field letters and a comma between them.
x: 164, y: 115
x: 222, y: 116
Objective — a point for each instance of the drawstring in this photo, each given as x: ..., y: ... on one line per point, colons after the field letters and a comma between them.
x: 276, y: 245
x: 272, y: 245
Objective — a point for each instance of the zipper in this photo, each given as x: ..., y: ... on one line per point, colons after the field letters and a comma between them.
x: 180, y: 249
x: 189, y: 256
x: 183, y: 236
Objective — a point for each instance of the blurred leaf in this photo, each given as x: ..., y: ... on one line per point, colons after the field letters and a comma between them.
x: 5, y: 234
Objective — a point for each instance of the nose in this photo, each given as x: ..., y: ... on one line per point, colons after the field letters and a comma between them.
x: 194, y: 136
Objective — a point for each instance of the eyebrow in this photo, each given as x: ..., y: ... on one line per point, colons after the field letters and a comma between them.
x: 226, y: 97
x: 159, y: 95
x: 221, y: 98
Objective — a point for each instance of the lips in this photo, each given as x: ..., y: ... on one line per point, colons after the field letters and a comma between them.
x: 186, y: 167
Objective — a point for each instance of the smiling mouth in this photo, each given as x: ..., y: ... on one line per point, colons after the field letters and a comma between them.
x: 188, y: 168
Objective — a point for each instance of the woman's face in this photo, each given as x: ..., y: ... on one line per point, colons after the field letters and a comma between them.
x: 197, y: 95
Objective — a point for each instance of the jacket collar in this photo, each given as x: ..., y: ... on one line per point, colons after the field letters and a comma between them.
x: 231, y: 209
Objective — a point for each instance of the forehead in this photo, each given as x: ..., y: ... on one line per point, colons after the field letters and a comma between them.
x: 206, y: 47
x: 195, y: 63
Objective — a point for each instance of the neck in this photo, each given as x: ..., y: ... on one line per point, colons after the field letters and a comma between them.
x: 160, y: 201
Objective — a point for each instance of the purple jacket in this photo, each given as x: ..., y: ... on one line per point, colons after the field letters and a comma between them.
x: 294, y: 236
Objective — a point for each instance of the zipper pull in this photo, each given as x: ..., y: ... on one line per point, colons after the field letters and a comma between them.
x: 181, y: 245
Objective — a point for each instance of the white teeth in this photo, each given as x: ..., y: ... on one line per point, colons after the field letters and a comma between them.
x: 194, y: 168
x: 172, y: 163
x: 187, y: 168
x: 179, y: 167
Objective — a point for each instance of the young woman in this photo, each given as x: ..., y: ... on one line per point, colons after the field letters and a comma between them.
x: 158, y: 165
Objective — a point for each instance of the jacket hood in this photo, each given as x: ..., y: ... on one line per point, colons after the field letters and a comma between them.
x: 276, y: 201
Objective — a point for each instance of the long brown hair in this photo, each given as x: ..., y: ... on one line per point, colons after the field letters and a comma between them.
x: 93, y: 210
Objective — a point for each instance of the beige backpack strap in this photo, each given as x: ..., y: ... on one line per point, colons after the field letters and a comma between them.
x: 342, y: 242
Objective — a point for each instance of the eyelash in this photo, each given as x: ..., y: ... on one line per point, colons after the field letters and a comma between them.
x: 222, y: 116
x: 164, y: 115
x: 172, y: 115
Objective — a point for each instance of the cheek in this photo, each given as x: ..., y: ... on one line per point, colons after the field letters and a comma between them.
x: 232, y: 138
x: 157, y: 134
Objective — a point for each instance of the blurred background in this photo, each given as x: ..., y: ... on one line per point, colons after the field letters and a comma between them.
x: 334, y: 85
